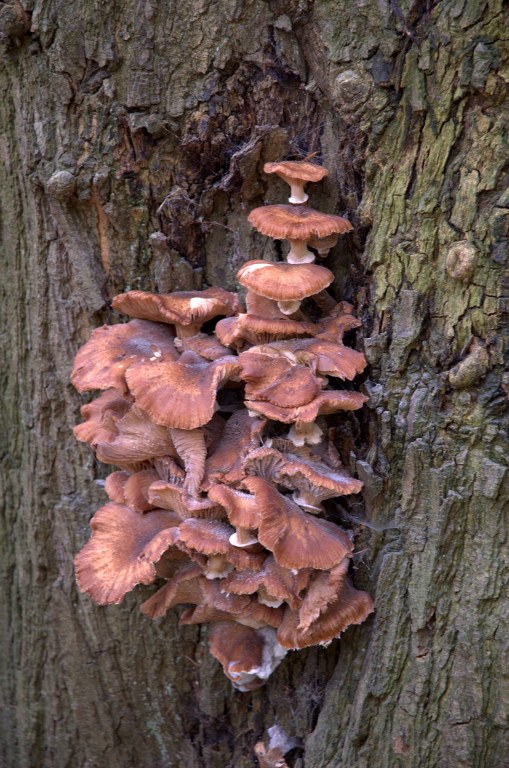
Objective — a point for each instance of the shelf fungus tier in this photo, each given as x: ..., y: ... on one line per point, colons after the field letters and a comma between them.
x: 298, y: 224
x: 223, y: 444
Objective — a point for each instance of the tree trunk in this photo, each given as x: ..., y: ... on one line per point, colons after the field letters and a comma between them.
x: 132, y: 140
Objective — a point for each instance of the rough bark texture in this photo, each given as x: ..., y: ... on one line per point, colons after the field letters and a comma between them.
x: 156, y: 118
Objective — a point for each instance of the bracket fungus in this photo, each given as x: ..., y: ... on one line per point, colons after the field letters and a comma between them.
x: 223, y: 449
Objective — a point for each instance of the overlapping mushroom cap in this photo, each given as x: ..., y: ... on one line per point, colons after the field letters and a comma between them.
x: 186, y: 310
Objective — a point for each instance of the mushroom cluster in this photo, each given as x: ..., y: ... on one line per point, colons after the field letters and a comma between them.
x: 224, y: 453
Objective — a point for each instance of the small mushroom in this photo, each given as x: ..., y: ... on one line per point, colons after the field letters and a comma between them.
x: 248, y: 656
x: 285, y: 283
x: 296, y: 173
x: 242, y: 512
x: 298, y: 224
x: 186, y: 310
x: 101, y: 416
x: 135, y: 438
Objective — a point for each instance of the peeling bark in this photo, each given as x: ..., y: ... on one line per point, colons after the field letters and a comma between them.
x: 132, y: 139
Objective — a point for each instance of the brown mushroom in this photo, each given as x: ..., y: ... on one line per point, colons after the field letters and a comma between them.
x: 329, y: 401
x: 273, y: 583
x: 186, y: 310
x: 242, y: 512
x: 235, y: 332
x: 101, y: 363
x: 351, y: 607
x: 181, y: 394
x: 101, y: 416
x: 119, y: 555
x: 285, y: 283
x: 297, y: 173
x: 298, y: 224
x: 241, y: 433
x: 171, y: 494
x: 135, y: 438
x: 136, y: 490
x: 277, y: 380
x: 248, y: 656
x: 296, y: 539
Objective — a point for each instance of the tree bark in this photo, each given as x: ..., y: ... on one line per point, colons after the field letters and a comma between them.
x: 132, y: 140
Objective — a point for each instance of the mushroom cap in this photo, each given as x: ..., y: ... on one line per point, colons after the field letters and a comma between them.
x: 204, y: 345
x: 238, y: 648
x: 183, y: 587
x: 322, y: 356
x: 281, y: 583
x: 101, y: 416
x: 241, y: 433
x: 114, y: 486
x: 241, y: 508
x: 296, y: 539
x: 326, y: 402
x: 179, y: 308
x: 191, y: 448
x: 212, y: 537
x: 121, y: 551
x: 172, y: 495
x: 298, y: 473
x: 296, y: 222
x: 136, y: 438
x: 351, y: 607
x: 101, y: 363
x: 234, y: 331
x: 301, y: 170
x: 180, y: 394
x: 284, y: 282
x: 136, y: 490
x: 277, y: 380
x: 323, y: 590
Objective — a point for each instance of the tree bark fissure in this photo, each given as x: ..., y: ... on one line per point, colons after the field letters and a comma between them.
x: 132, y: 140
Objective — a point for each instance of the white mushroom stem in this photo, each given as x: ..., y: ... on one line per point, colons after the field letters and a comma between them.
x: 302, y: 433
x: 306, y: 500
x: 265, y: 598
x: 297, y: 194
x: 299, y: 253
x: 217, y: 567
x: 243, y: 537
x: 186, y: 331
x: 288, y: 307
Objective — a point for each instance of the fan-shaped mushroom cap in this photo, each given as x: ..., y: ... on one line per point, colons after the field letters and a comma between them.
x: 351, y: 607
x: 248, y: 656
x: 242, y: 608
x: 296, y: 222
x: 282, y: 281
x: 101, y: 363
x: 312, y: 481
x: 296, y: 173
x: 172, y: 495
x: 241, y: 508
x: 211, y: 537
x: 329, y: 401
x: 114, y: 486
x: 136, y: 439
x: 241, y: 433
x: 296, y: 539
x: 323, y: 589
x: 101, y: 416
x: 191, y: 448
x: 187, y: 310
x: 204, y: 345
x: 183, y: 587
x: 280, y: 583
x: 322, y: 356
x: 180, y: 394
x: 236, y: 331
x: 242, y: 513
x: 277, y: 380
x: 136, y: 490
x: 121, y: 552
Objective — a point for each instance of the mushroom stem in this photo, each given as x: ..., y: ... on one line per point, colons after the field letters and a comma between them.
x: 288, y: 307
x: 186, y: 331
x: 297, y: 194
x: 302, y: 433
x: 299, y: 253
x: 243, y: 537
x: 217, y: 567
